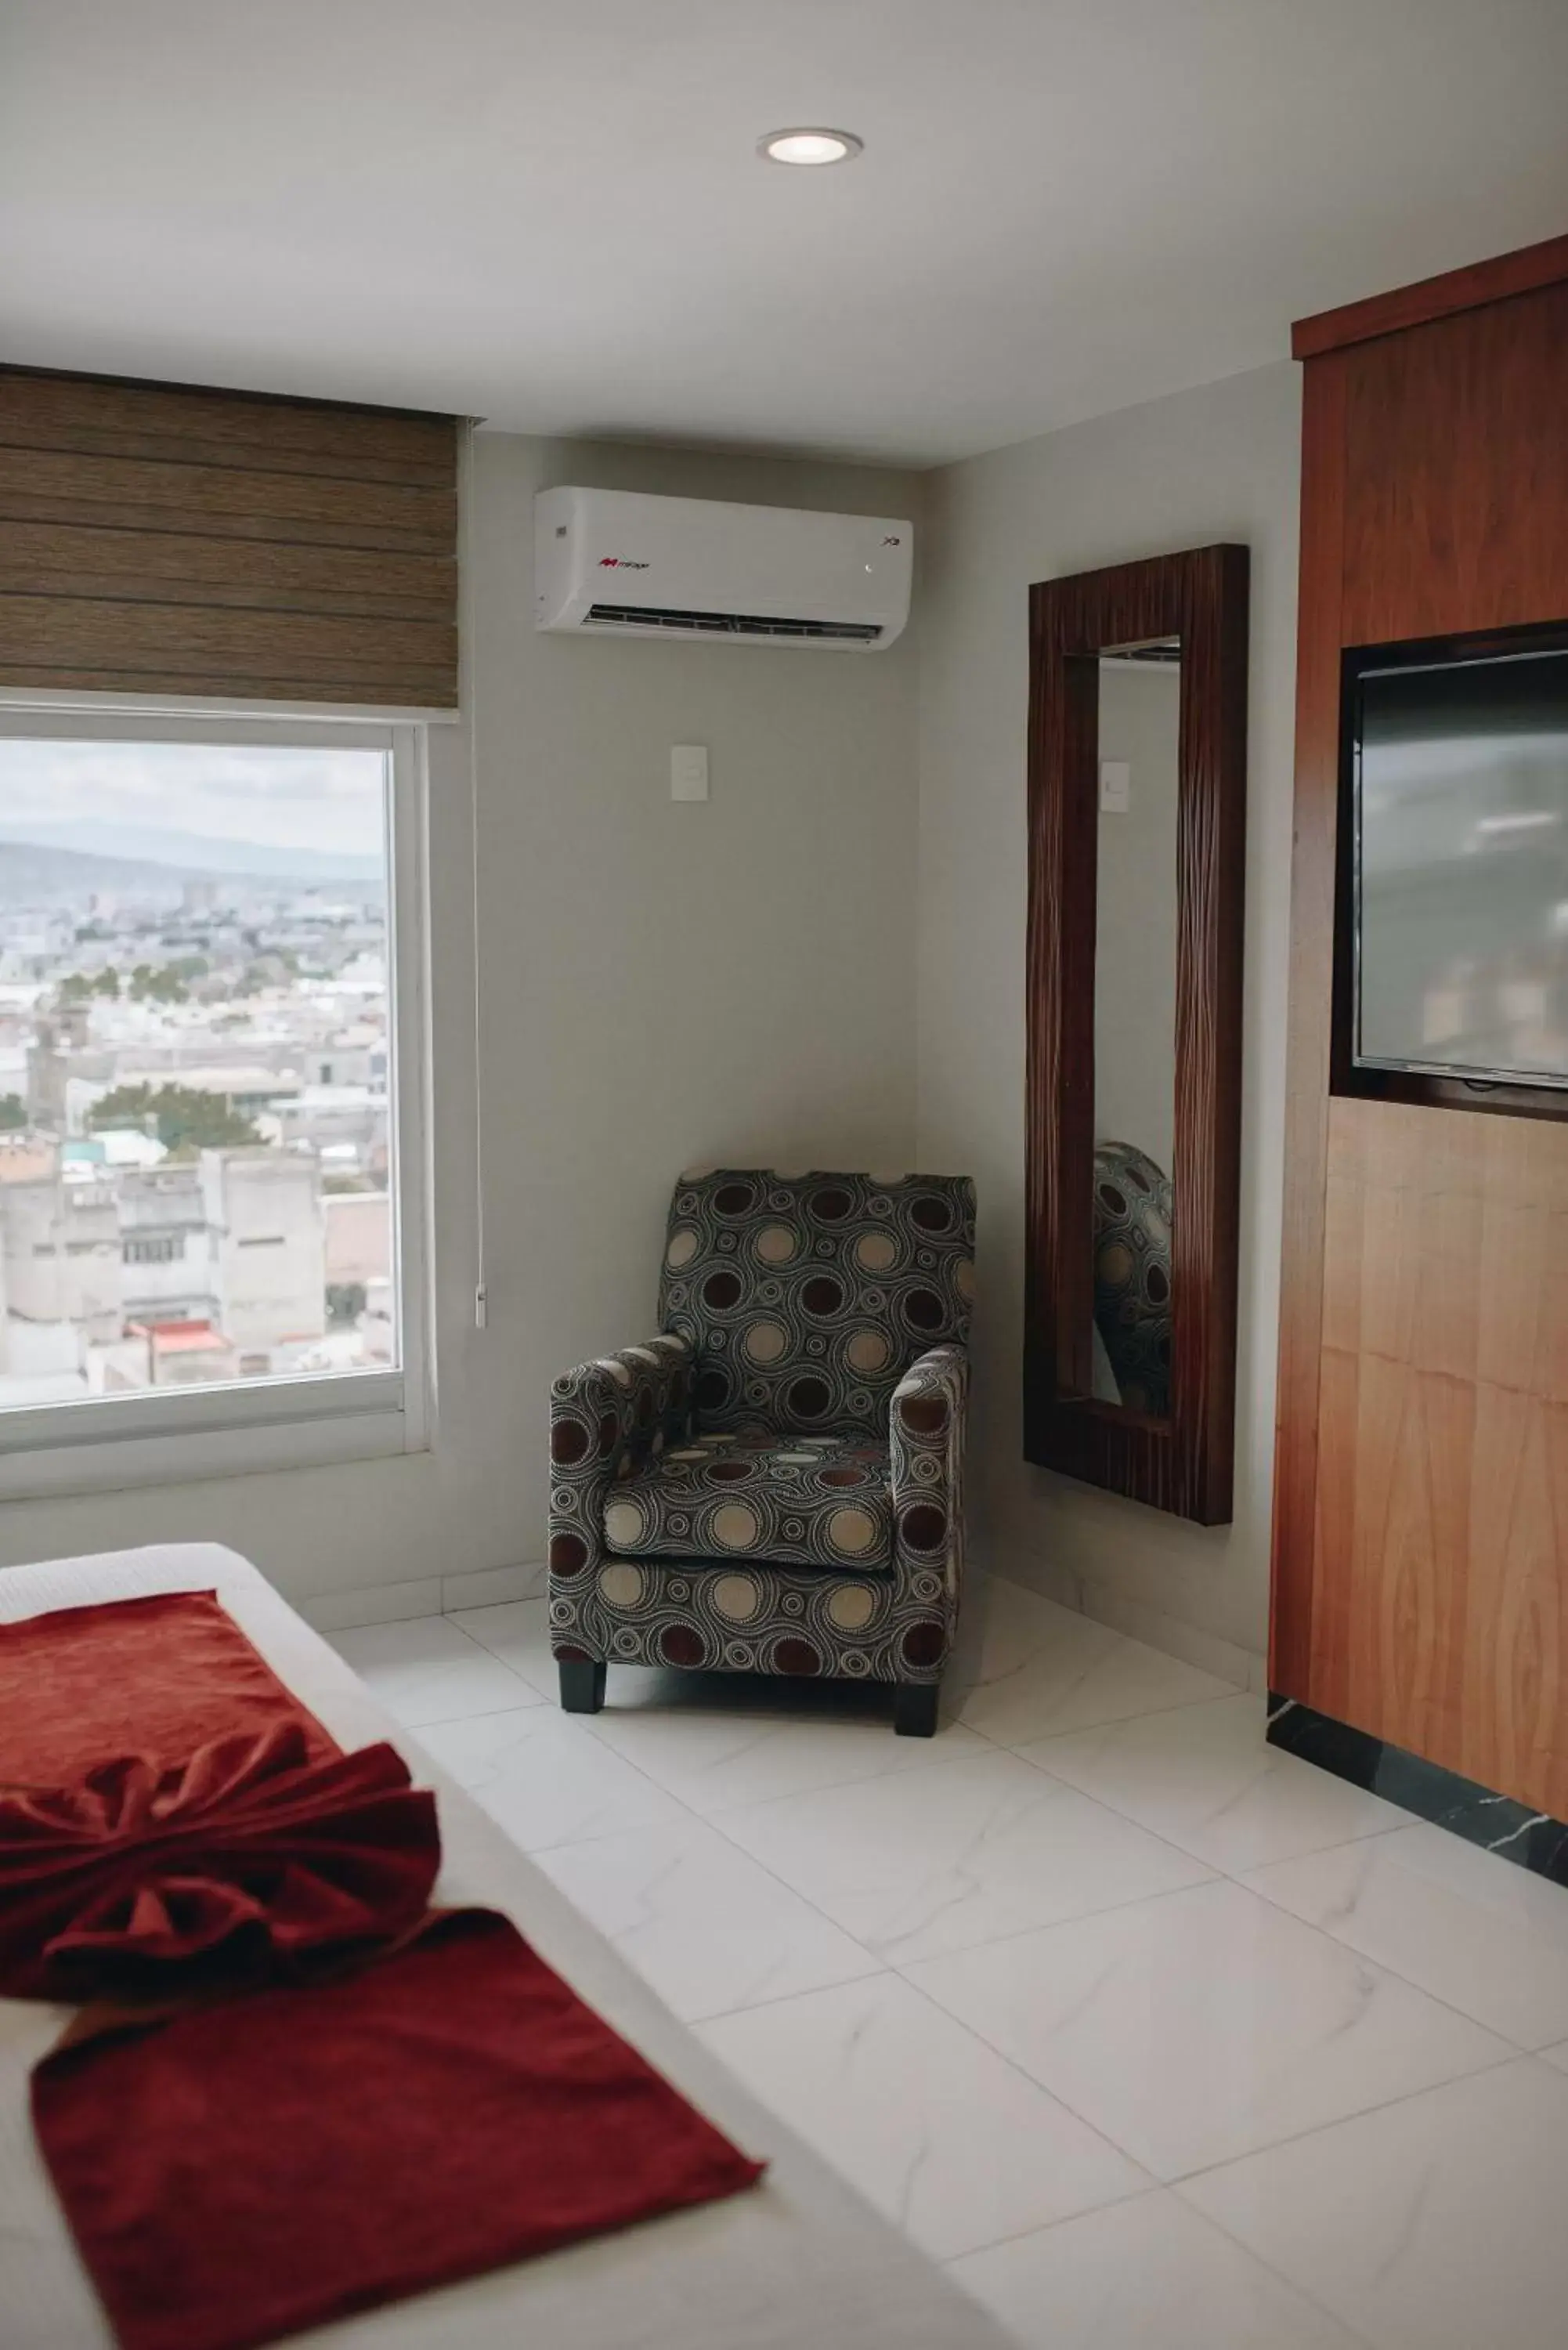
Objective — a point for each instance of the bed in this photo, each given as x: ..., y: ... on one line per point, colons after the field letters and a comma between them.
x: 800, y: 2263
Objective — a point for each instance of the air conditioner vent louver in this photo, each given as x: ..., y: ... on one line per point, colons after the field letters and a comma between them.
x: 732, y: 624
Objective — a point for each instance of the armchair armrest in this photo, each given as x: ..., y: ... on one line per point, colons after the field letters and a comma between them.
x: 607, y: 1418
x: 927, y: 1444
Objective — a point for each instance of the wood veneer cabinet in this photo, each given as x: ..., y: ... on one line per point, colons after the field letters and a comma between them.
x: 1420, y: 1566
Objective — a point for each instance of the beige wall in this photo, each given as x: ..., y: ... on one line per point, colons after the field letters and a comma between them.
x: 668, y: 984
x: 663, y: 983
x: 1216, y: 463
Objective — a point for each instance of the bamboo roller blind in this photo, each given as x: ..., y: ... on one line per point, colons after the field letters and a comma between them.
x: 156, y: 539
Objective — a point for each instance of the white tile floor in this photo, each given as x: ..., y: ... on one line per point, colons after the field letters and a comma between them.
x: 1159, y: 2037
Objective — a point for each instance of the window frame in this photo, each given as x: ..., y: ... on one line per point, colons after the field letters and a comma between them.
x: 301, y: 1419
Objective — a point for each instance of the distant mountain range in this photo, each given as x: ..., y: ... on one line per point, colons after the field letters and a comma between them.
x: 50, y: 861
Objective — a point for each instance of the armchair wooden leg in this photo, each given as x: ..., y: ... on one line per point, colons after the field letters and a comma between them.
x: 582, y: 1686
x: 915, y: 1708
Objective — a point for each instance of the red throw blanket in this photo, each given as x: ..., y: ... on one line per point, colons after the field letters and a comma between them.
x: 256, y: 2164
x: 245, y: 1864
x: 155, y: 1677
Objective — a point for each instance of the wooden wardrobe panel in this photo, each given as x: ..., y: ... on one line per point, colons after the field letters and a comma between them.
x: 1440, y: 1530
x: 1308, y: 1031
x: 1421, y: 1482
x: 1452, y: 524
x: 1432, y: 297
x: 1516, y: 1619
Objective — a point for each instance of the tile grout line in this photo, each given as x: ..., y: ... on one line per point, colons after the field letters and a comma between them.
x: 1149, y: 2195
x: 1518, y: 2047
x: 1344, y: 2121
x: 1218, y: 1874
x: 883, y: 1967
x: 880, y: 1960
x: 1219, y: 1871
x: 1491, y: 2064
x: 1149, y: 2182
x: 876, y: 1973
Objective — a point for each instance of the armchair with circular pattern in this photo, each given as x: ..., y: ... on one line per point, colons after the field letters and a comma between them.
x: 774, y: 1483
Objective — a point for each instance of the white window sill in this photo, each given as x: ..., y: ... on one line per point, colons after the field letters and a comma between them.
x: 140, y: 1440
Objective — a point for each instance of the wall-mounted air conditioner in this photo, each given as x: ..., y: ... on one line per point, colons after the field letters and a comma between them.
x: 616, y: 563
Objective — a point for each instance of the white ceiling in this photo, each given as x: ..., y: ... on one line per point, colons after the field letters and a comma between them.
x: 553, y: 215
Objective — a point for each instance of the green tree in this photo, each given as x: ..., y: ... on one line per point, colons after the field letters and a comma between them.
x: 149, y: 985
x: 183, y: 1118
x: 13, y: 1113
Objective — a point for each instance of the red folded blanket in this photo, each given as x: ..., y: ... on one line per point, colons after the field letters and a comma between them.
x: 246, y: 1863
x: 266, y: 2164
x: 257, y: 2163
x: 156, y: 1677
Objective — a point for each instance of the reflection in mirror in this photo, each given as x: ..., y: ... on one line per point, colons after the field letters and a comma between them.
x: 1135, y: 1024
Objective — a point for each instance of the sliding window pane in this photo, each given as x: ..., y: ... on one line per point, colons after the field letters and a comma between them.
x: 198, y: 1177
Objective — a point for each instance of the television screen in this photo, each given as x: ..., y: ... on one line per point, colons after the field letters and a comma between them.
x: 1460, y: 774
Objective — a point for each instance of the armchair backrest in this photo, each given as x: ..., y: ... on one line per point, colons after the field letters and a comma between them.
x: 806, y: 1297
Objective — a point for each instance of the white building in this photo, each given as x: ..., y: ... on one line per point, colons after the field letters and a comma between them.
x: 61, y: 1240
x: 359, y: 1237
x: 167, y: 1248
x: 346, y: 1119
x: 267, y: 1237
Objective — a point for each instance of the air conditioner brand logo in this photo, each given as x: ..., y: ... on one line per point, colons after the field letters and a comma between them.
x: 620, y: 563
x: 892, y: 541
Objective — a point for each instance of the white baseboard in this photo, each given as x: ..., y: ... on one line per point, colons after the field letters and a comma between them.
x: 492, y: 1584
x: 427, y: 1595
x: 1102, y: 1602
x: 372, y: 1603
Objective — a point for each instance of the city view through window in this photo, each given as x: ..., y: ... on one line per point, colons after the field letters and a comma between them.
x: 196, y: 1147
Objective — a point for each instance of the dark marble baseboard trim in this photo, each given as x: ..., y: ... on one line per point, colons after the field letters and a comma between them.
x: 1533, y: 1839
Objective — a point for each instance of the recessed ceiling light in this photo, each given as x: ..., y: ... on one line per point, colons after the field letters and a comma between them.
x: 810, y: 147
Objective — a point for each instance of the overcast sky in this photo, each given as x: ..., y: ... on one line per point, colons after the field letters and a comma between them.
x: 324, y: 800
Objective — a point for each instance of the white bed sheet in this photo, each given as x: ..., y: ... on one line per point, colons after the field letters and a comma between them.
x: 799, y: 2263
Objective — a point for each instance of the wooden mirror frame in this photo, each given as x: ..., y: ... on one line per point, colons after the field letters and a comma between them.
x: 1183, y: 1463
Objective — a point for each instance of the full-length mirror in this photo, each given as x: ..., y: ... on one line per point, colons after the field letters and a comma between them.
x: 1137, y: 796
x: 1138, y: 716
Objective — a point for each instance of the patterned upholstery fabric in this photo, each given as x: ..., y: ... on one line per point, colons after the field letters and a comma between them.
x: 1132, y: 1273
x: 806, y: 1298
x: 898, y: 1255
x: 807, y: 1500
x: 607, y: 1418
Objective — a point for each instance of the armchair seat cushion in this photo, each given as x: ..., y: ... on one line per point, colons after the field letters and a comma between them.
x: 816, y: 1501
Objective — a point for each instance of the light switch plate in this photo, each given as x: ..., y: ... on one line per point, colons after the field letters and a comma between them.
x: 688, y: 772
x: 1116, y: 787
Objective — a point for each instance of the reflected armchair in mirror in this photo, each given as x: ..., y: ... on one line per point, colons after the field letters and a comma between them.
x: 1132, y: 1279
x: 1136, y: 819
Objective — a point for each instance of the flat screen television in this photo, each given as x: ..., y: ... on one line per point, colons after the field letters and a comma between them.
x: 1457, y: 772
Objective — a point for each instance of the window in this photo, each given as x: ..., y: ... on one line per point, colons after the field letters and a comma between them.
x: 210, y: 1074
x: 166, y: 1249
